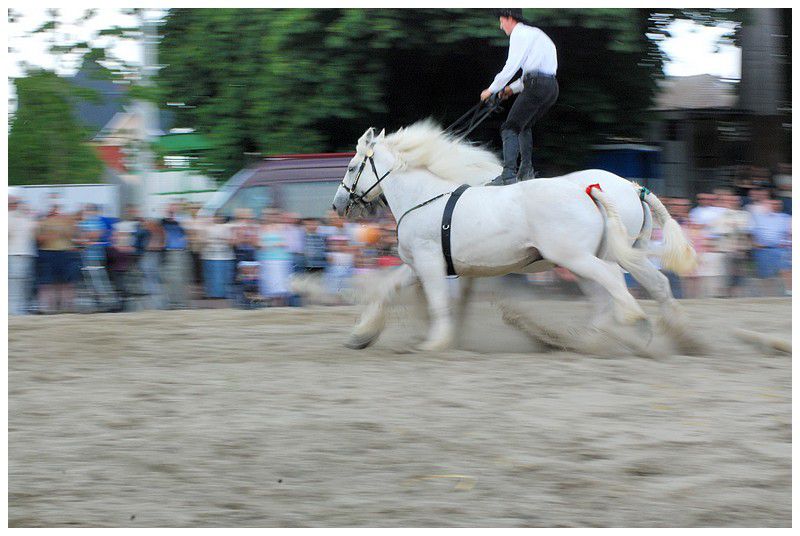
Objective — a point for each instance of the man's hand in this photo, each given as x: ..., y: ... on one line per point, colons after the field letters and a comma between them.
x: 506, y: 93
x: 485, y: 94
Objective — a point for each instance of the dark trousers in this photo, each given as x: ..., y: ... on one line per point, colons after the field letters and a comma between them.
x: 538, y: 95
x: 197, y: 268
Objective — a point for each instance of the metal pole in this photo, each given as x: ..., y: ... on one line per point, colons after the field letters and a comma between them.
x: 148, y: 118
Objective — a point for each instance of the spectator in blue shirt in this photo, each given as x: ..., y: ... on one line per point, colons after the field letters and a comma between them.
x: 108, y: 223
x: 772, y: 240
x: 177, y: 261
x: 315, y: 247
x: 91, y: 229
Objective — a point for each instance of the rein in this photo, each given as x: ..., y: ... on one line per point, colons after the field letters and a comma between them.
x: 465, y: 124
x: 460, y: 129
x: 415, y: 207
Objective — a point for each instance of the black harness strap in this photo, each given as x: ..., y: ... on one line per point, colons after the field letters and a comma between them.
x: 446, y: 218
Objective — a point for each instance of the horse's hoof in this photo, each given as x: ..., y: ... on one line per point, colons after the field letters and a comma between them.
x: 434, y: 346
x: 356, y: 342
x: 687, y: 343
x: 693, y: 346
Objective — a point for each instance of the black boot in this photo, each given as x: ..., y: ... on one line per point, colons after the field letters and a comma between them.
x: 525, y: 155
x: 510, y: 154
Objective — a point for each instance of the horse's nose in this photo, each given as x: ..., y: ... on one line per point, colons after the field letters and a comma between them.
x: 333, y: 207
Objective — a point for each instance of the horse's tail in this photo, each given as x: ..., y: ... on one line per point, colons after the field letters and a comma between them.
x: 678, y: 254
x: 617, y: 240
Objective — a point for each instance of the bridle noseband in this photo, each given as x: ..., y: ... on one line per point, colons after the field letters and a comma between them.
x: 360, y: 199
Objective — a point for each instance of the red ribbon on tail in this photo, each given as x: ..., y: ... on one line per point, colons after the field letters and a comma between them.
x: 590, y: 187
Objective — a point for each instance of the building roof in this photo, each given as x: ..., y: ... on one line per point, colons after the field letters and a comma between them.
x: 113, y: 96
x: 695, y: 92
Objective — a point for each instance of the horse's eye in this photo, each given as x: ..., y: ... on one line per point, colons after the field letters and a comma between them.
x: 351, y: 169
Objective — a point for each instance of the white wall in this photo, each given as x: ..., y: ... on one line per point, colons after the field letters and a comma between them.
x: 71, y: 196
x: 171, y: 186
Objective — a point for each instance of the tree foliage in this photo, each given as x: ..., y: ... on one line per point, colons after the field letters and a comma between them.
x: 309, y: 80
x: 303, y: 80
x: 46, y: 145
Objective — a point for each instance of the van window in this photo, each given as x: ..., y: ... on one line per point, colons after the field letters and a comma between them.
x: 309, y: 199
x: 256, y: 198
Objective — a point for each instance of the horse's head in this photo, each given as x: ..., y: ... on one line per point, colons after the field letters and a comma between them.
x: 361, y: 184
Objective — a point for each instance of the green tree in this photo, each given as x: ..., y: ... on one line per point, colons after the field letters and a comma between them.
x: 306, y: 80
x: 46, y: 145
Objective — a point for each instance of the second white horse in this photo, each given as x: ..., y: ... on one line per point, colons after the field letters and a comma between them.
x: 586, y: 222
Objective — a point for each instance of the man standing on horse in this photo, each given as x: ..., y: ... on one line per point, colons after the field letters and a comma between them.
x: 532, y: 51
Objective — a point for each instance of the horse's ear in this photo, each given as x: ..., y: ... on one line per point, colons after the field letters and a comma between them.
x: 369, y: 136
x: 382, y: 134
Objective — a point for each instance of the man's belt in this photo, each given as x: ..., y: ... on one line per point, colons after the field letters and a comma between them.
x: 538, y: 74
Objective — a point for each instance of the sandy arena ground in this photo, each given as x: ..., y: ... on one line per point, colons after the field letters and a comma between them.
x: 263, y: 418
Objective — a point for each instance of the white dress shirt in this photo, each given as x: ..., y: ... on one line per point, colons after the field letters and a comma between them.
x: 530, y: 49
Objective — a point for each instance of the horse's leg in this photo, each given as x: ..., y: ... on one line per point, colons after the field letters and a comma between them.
x: 373, y: 319
x: 601, y: 301
x: 467, y: 284
x: 432, y: 274
x: 602, y: 307
x: 673, y: 317
x: 626, y: 310
x: 594, y: 337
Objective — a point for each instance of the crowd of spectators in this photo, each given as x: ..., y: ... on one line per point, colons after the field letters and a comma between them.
x: 742, y: 235
x: 66, y: 262
x: 63, y: 262
x: 738, y: 244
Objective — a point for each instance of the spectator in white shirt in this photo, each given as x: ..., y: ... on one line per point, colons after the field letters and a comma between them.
x: 21, y: 256
x: 295, y: 235
x: 532, y: 51
x: 732, y: 239
x: 218, y: 258
x: 707, y: 210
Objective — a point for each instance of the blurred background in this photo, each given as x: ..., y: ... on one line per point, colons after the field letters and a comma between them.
x: 187, y: 157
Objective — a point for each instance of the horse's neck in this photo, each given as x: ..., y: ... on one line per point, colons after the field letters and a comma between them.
x: 407, y: 189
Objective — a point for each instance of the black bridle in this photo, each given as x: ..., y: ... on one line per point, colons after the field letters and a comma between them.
x: 355, y: 197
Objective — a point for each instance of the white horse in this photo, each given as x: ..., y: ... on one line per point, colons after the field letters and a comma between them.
x: 495, y: 230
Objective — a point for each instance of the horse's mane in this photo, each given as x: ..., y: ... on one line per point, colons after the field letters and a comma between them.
x: 425, y: 145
